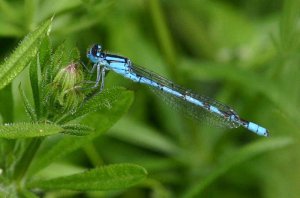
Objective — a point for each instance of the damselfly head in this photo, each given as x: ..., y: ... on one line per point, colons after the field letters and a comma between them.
x: 94, y: 53
x: 96, y: 50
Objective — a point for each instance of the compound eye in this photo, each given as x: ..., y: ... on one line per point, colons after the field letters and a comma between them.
x: 96, y: 50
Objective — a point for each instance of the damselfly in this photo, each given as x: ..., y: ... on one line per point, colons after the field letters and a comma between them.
x: 199, y: 106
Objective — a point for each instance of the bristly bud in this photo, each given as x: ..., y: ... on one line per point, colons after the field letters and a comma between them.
x: 66, y: 86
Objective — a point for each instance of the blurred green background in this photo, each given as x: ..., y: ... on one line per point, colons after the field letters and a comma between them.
x: 243, y: 53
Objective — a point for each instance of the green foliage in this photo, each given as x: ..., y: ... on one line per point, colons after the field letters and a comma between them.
x: 101, y: 121
x: 7, y: 106
x: 62, y: 104
x: 137, y: 134
x: 103, y: 178
x: 28, y: 130
x: 23, y: 54
x: 28, y: 108
x: 243, y: 53
x: 243, y: 155
x: 77, y: 129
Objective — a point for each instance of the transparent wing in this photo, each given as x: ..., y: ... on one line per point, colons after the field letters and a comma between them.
x: 197, y: 112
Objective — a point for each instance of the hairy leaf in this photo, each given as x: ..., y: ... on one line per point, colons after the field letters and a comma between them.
x: 104, y: 116
x: 28, y: 130
x: 29, y: 109
x: 18, y: 60
x: 77, y: 129
x: 103, y: 178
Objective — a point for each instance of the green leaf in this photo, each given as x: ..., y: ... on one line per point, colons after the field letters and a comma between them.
x: 109, y: 111
x: 48, y: 71
x: 239, y: 157
x: 28, y: 108
x: 164, y: 35
x: 63, y: 55
x: 77, y: 129
x: 8, y: 9
x: 289, y: 33
x: 45, y: 51
x: 6, y: 108
x: 9, y: 30
x: 35, y: 67
x: 34, y: 82
x: 18, y: 60
x: 27, y: 194
x: 28, y: 130
x: 100, y: 101
x: 110, y: 177
x: 30, y: 9
x: 99, y: 10
x: 143, y: 136
x: 59, y: 59
x: 47, y: 8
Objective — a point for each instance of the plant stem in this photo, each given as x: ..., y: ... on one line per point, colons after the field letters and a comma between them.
x: 26, y: 159
x: 93, y: 155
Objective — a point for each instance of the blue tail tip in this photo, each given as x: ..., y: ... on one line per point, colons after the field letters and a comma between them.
x: 257, y: 129
x: 267, y: 134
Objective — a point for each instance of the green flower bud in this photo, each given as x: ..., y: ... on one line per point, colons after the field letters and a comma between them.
x: 68, y: 77
x: 66, y: 87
